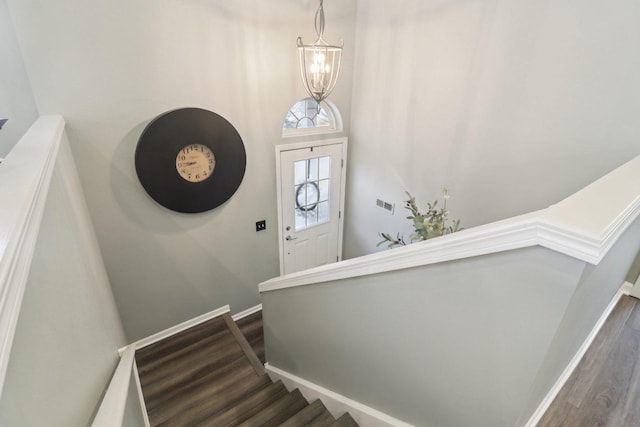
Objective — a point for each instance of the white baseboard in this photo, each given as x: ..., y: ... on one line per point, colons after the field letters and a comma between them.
x: 634, y: 289
x: 178, y: 328
x: 335, y: 403
x: 564, y: 377
x: 627, y: 288
x: 246, y: 313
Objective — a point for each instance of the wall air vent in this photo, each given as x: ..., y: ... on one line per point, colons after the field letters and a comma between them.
x: 386, y: 206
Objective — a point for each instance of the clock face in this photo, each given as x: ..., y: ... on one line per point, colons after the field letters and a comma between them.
x: 195, y: 162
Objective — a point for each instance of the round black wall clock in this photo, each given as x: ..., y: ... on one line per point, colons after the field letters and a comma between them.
x: 190, y: 160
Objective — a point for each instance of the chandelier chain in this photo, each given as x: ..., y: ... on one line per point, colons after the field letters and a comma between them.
x: 319, y: 21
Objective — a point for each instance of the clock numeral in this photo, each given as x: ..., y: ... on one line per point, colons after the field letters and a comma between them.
x: 192, y: 161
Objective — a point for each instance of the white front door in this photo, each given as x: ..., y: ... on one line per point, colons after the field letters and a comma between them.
x: 311, y: 198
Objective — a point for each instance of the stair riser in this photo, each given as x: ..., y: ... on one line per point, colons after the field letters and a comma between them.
x: 278, y: 412
x: 306, y: 415
x: 249, y: 407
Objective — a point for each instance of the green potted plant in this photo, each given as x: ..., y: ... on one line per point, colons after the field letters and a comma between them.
x: 432, y: 223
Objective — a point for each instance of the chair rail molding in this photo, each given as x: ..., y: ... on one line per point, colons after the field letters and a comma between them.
x: 25, y: 175
x: 584, y: 226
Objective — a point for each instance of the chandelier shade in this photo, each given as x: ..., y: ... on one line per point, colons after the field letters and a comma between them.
x: 319, y: 62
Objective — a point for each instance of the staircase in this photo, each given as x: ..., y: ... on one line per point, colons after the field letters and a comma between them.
x: 213, y: 375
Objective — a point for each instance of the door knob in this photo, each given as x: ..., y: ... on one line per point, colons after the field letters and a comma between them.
x: 289, y: 238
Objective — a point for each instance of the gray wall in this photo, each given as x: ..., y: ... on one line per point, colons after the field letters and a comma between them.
x: 16, y: 99
x: 474, y: 342
x: 452, y: 344
x: 64, y: 351
x: 109, y: 68
x: 595, y: 290
x: 512, y: 105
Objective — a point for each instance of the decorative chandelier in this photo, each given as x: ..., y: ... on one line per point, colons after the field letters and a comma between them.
x: 319, y: 62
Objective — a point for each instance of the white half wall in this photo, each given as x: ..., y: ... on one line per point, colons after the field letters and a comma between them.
x: 477, y: 341
x: 65, y: 344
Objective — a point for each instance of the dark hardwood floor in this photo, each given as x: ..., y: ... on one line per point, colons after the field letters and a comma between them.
x: 604, y: 390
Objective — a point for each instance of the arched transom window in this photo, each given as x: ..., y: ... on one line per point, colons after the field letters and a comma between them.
x: 307, y: 117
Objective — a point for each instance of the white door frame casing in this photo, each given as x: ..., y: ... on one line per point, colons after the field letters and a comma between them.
x: 343, y: 175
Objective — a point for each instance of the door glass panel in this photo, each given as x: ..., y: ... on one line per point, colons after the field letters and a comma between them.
x: 312, y: 172
x: 324, y: 190
x: 312, y: 217
x: 301, y: 221
x: 299, y: 171
x: 311, y: 192
x: 323, y: 212
x: 324, y: 168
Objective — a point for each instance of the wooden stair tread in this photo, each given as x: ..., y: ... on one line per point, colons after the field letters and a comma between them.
x: 180, y: 340
x: 306, y: 415
x: 247, y: 408
x: 156, y: 361
x: 252, y: 328
x: 250, y: 319
x: 190, y: 372
x: 213, y: 375
x: 200, y: 410
x: 198, y: 357
x: 258, y: 348
x: 211, y: 396
x: 225, y: 374
x: 278, y: 411
x: 345, y: 420
x: 325, y: 419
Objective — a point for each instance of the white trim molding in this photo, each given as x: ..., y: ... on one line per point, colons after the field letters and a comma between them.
x: 336, y: 403
x: 176, y: 329
x: 587, y: 236
x: 25, y: 175
x: 573, y: 364
x: 143, y: 405
x: 111, y: 411
x: 246, y: 313
x: 634, y: 288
